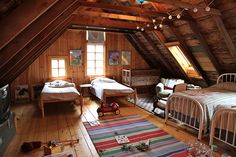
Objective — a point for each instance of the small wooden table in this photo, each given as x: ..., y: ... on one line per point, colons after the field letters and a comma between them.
x: 85, y: 86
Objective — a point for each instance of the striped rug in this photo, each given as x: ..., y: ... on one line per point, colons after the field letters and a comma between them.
x: 146, y: 102
x: 137, y: 129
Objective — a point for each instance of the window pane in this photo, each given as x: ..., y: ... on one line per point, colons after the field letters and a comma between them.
x: 90, y: 48
x: 54, y: 73
x: 90, y: 71
x: 99, y: 71
x: 91, y: 56
x: 54, y: 63
x: 99, y: 64
x: 62, y: 63
x: 91, y: 64
x: 99, y: 48
x: 62, y: 72
x: 99, y: 56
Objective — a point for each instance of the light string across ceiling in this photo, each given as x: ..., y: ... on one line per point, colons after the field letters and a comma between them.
x: 170, y: 16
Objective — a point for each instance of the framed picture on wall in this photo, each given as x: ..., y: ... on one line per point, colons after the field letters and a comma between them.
x: 75, y: 57
x: 126, y: 58
x: 22, y: 93
x: 114, y: 58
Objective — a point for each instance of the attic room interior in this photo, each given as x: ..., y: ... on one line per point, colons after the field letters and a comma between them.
x: 116, y: 78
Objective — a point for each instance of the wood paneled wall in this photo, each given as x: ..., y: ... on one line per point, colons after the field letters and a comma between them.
x: 39, y: 71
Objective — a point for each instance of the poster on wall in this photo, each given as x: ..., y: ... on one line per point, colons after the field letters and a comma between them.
x: 75, y: 57
x: 126, y: 58
x: 114, y: 58
x: 22, y: 93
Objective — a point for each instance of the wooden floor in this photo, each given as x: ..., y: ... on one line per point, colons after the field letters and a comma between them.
x: 63, y: 122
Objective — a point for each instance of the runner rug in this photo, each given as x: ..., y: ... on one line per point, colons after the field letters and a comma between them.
x: 138, y: 130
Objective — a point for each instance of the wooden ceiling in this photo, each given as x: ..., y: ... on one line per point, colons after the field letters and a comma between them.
x: 208, y: 38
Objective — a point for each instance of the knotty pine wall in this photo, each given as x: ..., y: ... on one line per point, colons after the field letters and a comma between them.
x: 39, y: 71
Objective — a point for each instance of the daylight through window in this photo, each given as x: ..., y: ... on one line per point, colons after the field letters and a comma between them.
x: 58, y: 67
x: 95, y: 59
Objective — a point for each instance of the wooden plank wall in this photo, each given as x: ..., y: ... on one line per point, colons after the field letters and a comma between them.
x: 39, y: 71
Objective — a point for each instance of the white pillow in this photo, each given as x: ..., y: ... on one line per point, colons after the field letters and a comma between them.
x: 102, y: 80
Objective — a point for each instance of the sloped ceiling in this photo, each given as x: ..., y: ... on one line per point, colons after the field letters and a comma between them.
x: 207, y: 37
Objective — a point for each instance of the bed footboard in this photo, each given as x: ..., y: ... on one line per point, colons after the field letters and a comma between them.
x: 227, y: 77
x: 186, y: 110
x: 223, y: 126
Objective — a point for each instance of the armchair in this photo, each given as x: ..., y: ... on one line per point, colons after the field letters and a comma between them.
x: 168, y: 86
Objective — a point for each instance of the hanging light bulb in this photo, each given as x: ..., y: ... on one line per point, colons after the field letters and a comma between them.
x: 137, y: 27
x: 148, y: 25
x: 170, y: 17
x: 160, y: 25
x: 178, y: 16
x: 142, y: 29
x: 155, y: 27
x: 153, y: 20
x: 195, y: 10
x: 207, y: 8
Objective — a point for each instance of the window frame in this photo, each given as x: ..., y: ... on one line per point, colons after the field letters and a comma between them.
x: 185, y: 58
x: 104, y: 59
x: 65, y: 58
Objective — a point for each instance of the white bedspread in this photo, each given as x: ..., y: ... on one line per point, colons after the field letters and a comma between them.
x: 63, y: 93
x: 109, y: 87
x: 212, y: 98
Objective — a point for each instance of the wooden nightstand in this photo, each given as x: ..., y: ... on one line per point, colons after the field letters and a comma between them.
x: 85, y: 87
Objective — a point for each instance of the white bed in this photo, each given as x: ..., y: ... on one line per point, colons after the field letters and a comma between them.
x: 105, y: 87
x: 195, y: 108
x: 59, y: 90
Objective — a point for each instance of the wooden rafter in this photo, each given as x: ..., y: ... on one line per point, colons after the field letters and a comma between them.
x: 224, y: 33
x: 116, y: 16
x: 138, y: 45
x: 131, y: 10
x: 11, y: 28
x: 194, y: 26
x: 187, y: 52
x: 23, y: 39
x: 103, y: 22
x: 159, y: 55
x: 181, y: 4
x: 37, y: 51
x: 24, y: 54
x: 159, y: 37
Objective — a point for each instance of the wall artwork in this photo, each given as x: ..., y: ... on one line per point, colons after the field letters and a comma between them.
x: 75, y: 57
x: 114, y: 58
x: 126, y: 58
x: 22, y: 93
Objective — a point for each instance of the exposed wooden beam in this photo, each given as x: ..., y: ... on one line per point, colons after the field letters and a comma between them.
x: 194, y: 26
x: 187, y: 52
x: 106, y: 23
x: 181, y: 4
x: 99, y: 29
x: 24, y: 53
x: 224, y: 33
x: 131, y: 10
x: 23, y: 39
x: 18, y: 19
x: 115, y: 16
x: 134, y: 42
x: 161, y: 39
x: 158, y: 53
x: 38, y: 50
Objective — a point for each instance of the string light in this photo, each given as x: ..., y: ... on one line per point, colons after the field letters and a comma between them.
x: 208, y: 6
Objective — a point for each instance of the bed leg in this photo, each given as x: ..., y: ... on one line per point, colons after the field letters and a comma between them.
x: 42, y: 108
x: 81, y: 105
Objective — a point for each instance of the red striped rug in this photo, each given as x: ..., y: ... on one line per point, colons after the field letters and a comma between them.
x: 137, y: 129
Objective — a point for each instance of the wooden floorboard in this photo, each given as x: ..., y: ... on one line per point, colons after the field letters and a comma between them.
x: 64, y: 122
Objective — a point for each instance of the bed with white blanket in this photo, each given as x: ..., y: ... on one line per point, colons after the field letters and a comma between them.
x: 59, y: 91
x: 105, y: 87
x: 195, y: 108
